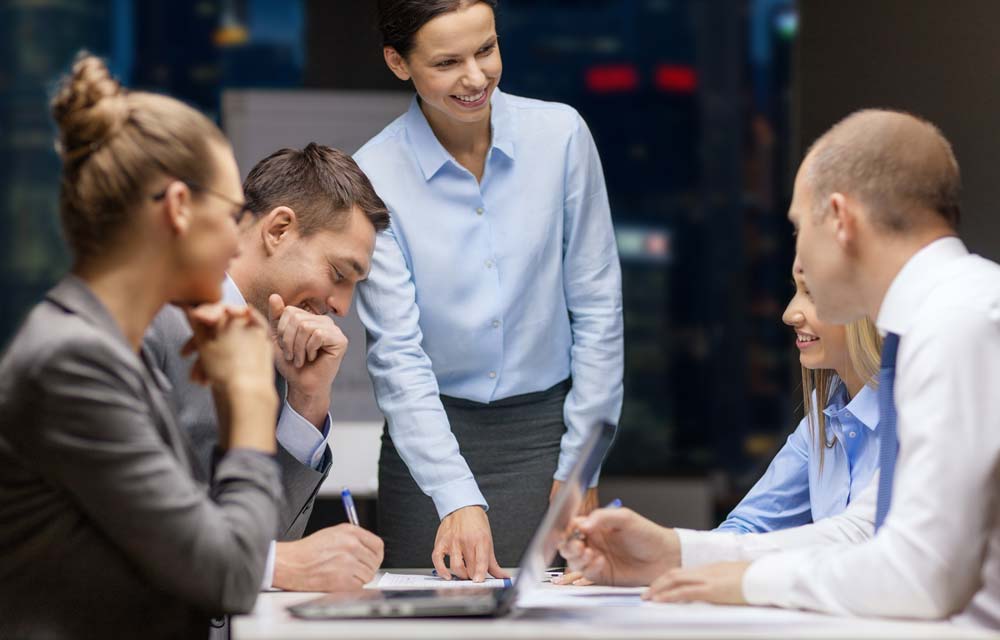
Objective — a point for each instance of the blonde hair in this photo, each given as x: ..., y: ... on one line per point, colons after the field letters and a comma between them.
x: 864, y: 355
x: 113, y: 143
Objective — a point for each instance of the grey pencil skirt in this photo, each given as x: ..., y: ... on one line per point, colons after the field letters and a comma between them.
x: 512, y: 448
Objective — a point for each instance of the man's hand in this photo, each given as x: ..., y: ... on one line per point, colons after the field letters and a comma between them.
x: 464, y: 536
x: 620, y: 547
x: 308, y: 350
x: 337, y: 558
x: 720, y: 583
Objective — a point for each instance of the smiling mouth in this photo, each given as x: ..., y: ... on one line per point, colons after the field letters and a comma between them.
x: 805, y: 338
x: 471, y: 100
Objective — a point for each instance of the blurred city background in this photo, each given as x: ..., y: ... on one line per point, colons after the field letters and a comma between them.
x: 697, y: 111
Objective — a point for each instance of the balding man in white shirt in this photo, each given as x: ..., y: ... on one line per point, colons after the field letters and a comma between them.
x: 875, y: 210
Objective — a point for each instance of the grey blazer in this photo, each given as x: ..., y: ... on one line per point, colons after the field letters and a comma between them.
x: 196, y: 416
x: 104, y: 531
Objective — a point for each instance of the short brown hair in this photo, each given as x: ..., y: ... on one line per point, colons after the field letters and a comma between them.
x: 893, y: 161
x: 319, y: 183
x: 113, y: 143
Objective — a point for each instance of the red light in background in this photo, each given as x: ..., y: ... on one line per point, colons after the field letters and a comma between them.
x: 612, y: 78
x: 657, y: 245
x: 674, y: 78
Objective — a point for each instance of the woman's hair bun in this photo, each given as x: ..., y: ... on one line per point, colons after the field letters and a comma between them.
x: 89, y: 107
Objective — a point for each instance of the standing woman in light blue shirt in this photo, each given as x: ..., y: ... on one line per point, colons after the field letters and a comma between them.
x: 493, y: 309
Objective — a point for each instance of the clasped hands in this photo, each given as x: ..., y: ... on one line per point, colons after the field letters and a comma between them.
x: 307, y: 349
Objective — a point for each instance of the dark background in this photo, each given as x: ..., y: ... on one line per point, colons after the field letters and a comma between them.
x: 939, y: 60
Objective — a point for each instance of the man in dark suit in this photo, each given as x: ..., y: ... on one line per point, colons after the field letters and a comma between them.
x: 309, y: 241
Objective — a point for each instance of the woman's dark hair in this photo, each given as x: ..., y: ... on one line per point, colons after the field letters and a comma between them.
x: 400, y: 20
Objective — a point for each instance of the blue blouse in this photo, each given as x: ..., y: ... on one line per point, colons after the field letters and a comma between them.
x: 794, y: 490
x: 489, y: 289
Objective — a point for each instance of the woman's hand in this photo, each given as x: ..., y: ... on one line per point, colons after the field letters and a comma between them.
x: 232, y: 345
x: 572, y: 578
x: 590, y: 498
x: 235, y: 359
x: 465, y: 537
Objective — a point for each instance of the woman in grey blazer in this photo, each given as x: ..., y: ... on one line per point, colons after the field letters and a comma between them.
x: 105, y: 529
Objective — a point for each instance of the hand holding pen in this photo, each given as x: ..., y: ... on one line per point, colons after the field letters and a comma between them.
x: 617, y: 546
x: 339, y: 558
x: 575, y: 578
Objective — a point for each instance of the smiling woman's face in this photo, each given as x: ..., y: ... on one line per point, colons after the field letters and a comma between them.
x: 821, y: 345
x: 455, y: 64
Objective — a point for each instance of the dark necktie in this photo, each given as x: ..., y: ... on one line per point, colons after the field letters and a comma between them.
x: 888, y: 442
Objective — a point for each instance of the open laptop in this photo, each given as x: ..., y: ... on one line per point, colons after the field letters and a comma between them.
x: 412, y: 603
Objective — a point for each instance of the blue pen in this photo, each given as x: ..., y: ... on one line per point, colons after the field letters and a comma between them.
x: 348, y: 500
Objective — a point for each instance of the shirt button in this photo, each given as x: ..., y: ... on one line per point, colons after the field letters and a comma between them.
x: 489, y: 264
x: 853, y: 433
x: 493, y: 374
x: 479, y: 211
x: 496, y: 324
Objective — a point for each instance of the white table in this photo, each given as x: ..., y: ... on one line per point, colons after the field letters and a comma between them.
x: 270, y: 621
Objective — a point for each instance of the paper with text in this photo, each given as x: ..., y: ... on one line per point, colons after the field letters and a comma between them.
x: 411, y: 581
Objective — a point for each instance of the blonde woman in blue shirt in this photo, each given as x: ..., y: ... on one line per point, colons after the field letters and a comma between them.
x: 493, y: 309
x: 833, y: 453
x: 826, y: 464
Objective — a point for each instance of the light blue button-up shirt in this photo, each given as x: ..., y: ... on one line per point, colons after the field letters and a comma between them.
x: 795, y: 490
x: 486, y: 290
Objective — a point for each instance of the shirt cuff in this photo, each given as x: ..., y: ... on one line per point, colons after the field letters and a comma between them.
x: 565, y: 465
x: 455, y: 495
x: 769, y: 580
x: 706, y: 547
x: 265, y: 584
x: 301, y: 438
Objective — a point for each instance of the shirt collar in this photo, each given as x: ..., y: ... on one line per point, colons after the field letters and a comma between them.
x: 231, y: 293
x: 863, y: 406
x: 502, y: 123
x: 431, y: 154
x: 919, y: 275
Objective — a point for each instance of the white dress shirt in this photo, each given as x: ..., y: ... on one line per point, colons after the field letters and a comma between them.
x: 938, y: 553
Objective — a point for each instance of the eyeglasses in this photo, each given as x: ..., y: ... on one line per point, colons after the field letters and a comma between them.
x: 243, y: 209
